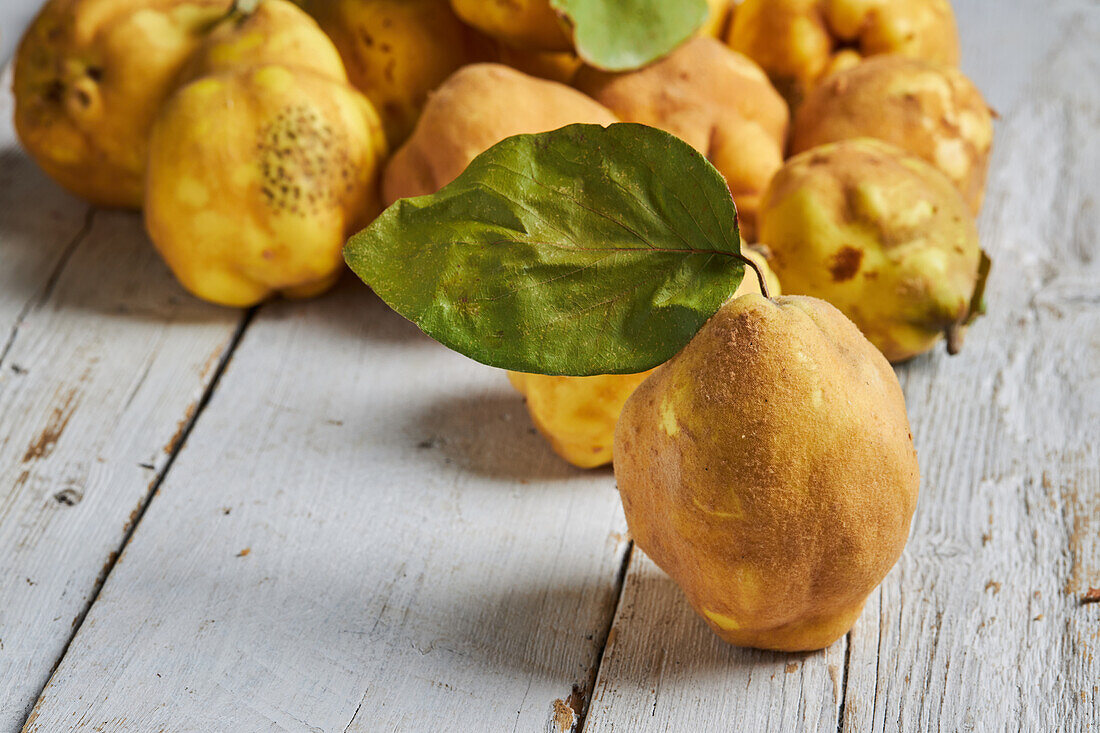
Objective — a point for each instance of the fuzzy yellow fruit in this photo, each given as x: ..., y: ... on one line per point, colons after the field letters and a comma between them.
x: 799, y: 42
x: 89, y: 78
x: 255, y: 179
x: 577, y: 415
x: 477, y: 107
x: 926, y: 109
x: 559, y: 66
x: 275, y: 32
x: 528, y: 24
x: 534, y: 25
x: 880, y: 234
x: 397, y: 51
x: 768, y: 468
x: 716, y: 100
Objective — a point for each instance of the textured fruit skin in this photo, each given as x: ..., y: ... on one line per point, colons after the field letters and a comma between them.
x: 932, y: 111
x: 880, y: 234
x: 769, y: 470
x: 527, y: 24
x: 477, y: 107
x: 718, y: 101
x: 800, y: 41
x: 397, y: 51
x: 577, y: 415
x: 533, y: 26
x: 89, y: 78
x: 241, y: 210
x: 275, y: 32
x: 559, y: 66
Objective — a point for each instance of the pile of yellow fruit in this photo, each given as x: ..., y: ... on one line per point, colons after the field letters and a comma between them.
x: 257, y: 136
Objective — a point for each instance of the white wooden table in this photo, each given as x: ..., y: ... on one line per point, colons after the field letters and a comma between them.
x: 310, y: 517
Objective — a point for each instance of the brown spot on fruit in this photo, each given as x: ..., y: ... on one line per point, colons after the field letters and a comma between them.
x: 845, y: 264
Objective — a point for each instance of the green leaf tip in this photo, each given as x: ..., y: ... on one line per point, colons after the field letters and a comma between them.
x: 585, y: 250
x: 618, y: 35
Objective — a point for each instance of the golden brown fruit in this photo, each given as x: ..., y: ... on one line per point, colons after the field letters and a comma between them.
x: 768, y: 468
x: 397, y: 51
x: 476, y: 108
x: 255, y: 179
x: 716, y: 100
x: 560, y: 66
x: 800, y: 41
x: 274, y: 32
x: 932, y: 111
x: 531, y: 25
x: 880, y: 234
x: 577, y: 415
x: 89, y: 78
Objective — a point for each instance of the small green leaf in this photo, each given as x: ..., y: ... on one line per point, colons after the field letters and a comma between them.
x: 587, y: 250
x: 618, y: 35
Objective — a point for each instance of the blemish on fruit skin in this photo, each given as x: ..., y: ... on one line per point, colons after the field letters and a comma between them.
x: 669, y: 423
x: 192, y: 192
x: 723, y: 621
x: 845, y: 263
x: 303, y: 162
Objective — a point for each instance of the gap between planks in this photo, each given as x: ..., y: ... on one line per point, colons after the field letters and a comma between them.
x: 51, y: 282
x: 594, y: 673
x: 154, y: 486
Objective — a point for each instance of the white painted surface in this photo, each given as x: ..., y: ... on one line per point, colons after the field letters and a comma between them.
x: 101, y: 355
x: 14, y: 16
x: 389, y: 586
x: 362, y: 533
x: 664, y: 670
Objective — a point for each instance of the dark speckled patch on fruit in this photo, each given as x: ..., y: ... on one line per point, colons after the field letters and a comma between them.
x: 304, y: 162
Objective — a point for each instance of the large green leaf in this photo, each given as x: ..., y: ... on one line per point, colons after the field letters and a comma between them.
x: 586, y: 250
x: 617, y: 35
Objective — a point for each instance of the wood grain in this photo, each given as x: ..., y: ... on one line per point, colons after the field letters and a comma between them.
x: 363, y: 532
x: 981, y: 626
x: 102, y: 356
x: 663, y: 670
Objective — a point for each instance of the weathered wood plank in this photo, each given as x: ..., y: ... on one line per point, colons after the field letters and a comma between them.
x: 664, y: 670
x: 103, y: 356
x: 980, y: 626
x: 39, y: 226
x: 362, y: 533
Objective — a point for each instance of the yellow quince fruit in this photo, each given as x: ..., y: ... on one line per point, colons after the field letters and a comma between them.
x: 768, y: 468
x: 880, y: 234
x: 89, y: 78
x: 577, y: 415
x: 799, y: 42
x: 258, y: 172
x: 397, y: 51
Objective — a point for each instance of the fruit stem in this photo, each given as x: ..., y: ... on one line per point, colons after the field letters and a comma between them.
x: 954, y: 335
x: 759, y: 274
